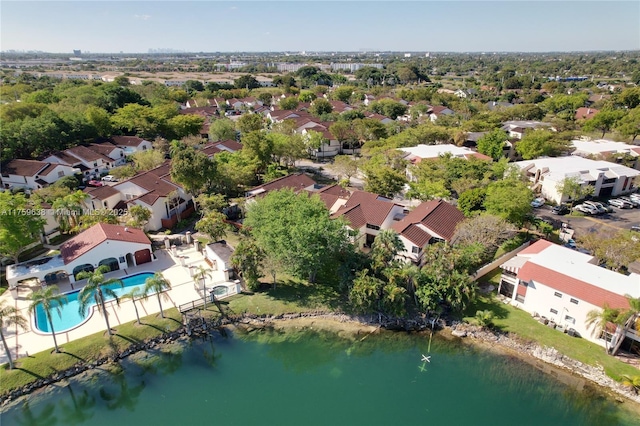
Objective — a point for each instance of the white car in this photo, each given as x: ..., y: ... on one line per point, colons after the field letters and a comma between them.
x: 109, y: 178
x: 621, y: 204
x: 538, y: 202
x: 585, y: 208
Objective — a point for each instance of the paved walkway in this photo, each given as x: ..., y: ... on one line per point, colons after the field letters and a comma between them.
x: 24, y: 342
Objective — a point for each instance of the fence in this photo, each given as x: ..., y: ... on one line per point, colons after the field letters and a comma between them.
x: 484, y: 270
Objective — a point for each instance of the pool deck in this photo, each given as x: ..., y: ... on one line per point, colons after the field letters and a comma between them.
x: 24, y: 342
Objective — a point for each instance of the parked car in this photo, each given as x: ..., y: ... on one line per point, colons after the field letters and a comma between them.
x: 630, y: 201
x: 94, y: 182
x: 635, y: 196
x: 538, y: 202
x: 560, y: 210
x: 635, y: 228
x: 109, y: 178
x: 599, y: 207
x: 586, y: 209
x: 620, y: 204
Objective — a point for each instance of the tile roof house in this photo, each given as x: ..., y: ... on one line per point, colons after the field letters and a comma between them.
x: 228, y: 145
x: 295, y: 181
x: 583, y: 113
x: 516, y: 129
x: 154, y: 190
x: 333, y: 196
x: 368, y: 213
x: 606, y: 178
x: 33, y: 174
x: 564, y: 285
x: 131, y: 144
x: 116, y: 246
x: 92, y: 160
x: 429, y: 222
x: 438, y: 111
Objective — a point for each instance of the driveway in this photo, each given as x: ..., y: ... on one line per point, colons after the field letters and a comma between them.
x: 611, y: 222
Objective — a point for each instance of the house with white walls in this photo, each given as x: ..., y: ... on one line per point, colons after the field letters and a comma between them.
x: 607, y: 179
x: 116, y: 246
x: 428, y: 223
x: 33, y: 174
x: 368, y: 214
x: 561, y: 285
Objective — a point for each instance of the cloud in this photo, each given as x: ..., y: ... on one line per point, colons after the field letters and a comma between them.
x: 233, y: 8
x: 142, y: 17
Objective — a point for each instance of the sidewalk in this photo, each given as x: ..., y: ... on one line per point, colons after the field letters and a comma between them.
x: 182, y: 291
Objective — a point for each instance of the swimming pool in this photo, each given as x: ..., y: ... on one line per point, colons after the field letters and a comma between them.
x: 71, y: 317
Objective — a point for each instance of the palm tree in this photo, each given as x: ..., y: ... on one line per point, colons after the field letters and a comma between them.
x: 135, y: 293
x: 9, y: 316
x: 598, y: 319
x: 157, y: 284
x: 631, y: 381
x: 201, y: 275
x: 69, y: 209
x: 629, y: 319
x: 50, y: 299
x: 385, y: 247
x: 95, y: 290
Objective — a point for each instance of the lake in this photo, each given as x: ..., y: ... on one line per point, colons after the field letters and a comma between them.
x: 317, y: 378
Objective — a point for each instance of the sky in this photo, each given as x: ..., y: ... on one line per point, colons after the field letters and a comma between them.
x: 263, y: 26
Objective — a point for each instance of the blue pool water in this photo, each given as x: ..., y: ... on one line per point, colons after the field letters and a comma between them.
x: 71, y: 317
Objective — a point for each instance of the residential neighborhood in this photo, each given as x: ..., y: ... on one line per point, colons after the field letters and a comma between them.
x: 457, y: 196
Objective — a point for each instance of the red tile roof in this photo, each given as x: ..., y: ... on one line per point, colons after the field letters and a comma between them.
x: 583, y: 113
x: 105, y: 148
x: 295, y: 181
x: 20, y: 167
x: 372, y: 208
x: 101, y: 192
x: 97, y: 234
x: 436, y: 215
x: 86, y: 154
x: 127, y: 140
x: 579, y: 289
x: 536, y: 247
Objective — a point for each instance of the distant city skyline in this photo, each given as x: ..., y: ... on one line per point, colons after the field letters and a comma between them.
x: 320, y: 26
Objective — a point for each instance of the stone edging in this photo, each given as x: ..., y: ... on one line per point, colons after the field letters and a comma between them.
x: 202, y: 328
x: 548, y: 355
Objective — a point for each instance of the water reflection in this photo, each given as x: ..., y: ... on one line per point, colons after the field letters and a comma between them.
x: 80, y: 409
x: 44, y: 416
x: 123, y: 395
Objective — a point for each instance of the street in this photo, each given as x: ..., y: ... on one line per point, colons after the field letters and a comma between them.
x: 610, y: 222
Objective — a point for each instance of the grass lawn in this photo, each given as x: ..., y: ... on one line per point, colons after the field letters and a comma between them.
x: 510, y: 319
x: 289, y: 296
x: 87, y: 349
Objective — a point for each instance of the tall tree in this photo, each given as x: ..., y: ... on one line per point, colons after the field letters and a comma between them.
x: 296, y: 229
x: 51, y: 300
x: 492, y: 144
x: 248, y: 123
x: 629, y: 125
x: 157, y: 284
x: 192, y: 169
x: 96, y: 290
x: 18, y: 227
x: 200, y: 276
x: 510, y: 200
x: 222, y: 129
x: 598, y: 319
x: 213, y: 224
x: 383, y: 180
x: 604, y: 121
x: 573, y: 189
x: 134, y: 294
x: 541, y: 143
x: 139, y: 216
x: 10, y: 316
x: 247, y: 258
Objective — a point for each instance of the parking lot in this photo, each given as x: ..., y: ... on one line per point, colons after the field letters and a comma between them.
x: 619, y: 219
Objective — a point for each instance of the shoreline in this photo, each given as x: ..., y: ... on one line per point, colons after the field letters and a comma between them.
x: 548, y: 360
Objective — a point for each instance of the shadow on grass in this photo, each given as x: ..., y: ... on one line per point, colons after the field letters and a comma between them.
x: 307, y: 295
x: 128, y: 339
x: 73, y: 355
x: 31, y: 373
x: 488, y: 303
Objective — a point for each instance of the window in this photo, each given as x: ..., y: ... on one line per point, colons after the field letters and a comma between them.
x: 121, y: 259
x: 519, y: 298
x: 575, y: 301
x: 415, y: 249
x: 553, y: 311
x: 556, y: 294
x: 61, y: 173
x: 572, y: 320
x: 524, y: 284
x: 377, y: 228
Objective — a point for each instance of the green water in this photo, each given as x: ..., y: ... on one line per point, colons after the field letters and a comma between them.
x: 318, y: 379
